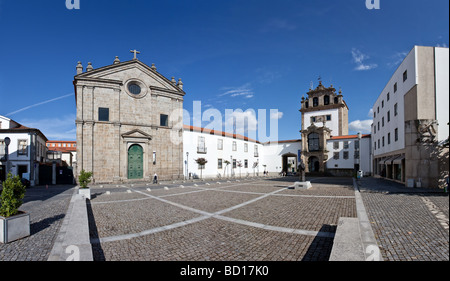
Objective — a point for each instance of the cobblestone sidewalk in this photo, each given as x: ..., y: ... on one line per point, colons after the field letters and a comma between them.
x: 47, y: 208
x: 409, y: 224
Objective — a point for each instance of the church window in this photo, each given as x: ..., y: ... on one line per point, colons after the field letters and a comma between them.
x: 134, y: 88
x: 164, y: 120
x: 326, y: 100
x: 306, y: 104
x: 313, y: 119
x: 315, y: 102
x: 103, y: 114
x: 336, y: 100
x: 328, y: 117
x: 313, y: 142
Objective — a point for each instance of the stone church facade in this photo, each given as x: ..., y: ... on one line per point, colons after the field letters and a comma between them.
x: 129, y: 122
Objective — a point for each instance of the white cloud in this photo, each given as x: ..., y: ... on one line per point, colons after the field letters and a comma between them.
x: 363, y: 126
x: 370, y: 114
x: 276, y: 115
x: 38, y: 104
x: 243, y: 91
x: 54, y: 128
x: 397, y: 59
x: 239, y: 119
x: 359, y: 58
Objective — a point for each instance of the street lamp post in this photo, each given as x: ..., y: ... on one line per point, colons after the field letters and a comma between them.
x: 7, y: 142
x: 187, y: 165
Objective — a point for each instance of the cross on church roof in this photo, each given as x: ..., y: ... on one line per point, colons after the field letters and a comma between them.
x: 135, y: 53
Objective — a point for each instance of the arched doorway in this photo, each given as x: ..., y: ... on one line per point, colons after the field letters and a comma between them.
x: 135, y: 162
x: 313, y: 164
x: 289, y: 163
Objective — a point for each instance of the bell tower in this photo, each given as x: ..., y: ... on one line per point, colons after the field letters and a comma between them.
x: 324, y: 114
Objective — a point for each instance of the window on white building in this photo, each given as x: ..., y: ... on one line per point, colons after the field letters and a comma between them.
x: 336, y: 145
x: 346, y: 145
x: 234, y: 146
x: 219, y: 163
x: 201, y: 148
x: 220, y: 144
x: 245, y: 147
x: 2, y: 147
x: 22, y: 148
x: 336, y: 156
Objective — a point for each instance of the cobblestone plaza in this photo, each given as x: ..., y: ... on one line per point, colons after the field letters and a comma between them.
x: 244, y: 220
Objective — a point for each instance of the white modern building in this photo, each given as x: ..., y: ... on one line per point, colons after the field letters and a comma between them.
x: 26, y: 150
x: 411, y: 118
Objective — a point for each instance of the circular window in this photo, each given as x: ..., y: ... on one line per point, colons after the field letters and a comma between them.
x: 134, y: 88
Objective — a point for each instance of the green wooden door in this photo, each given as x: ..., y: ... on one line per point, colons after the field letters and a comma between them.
x: 135, y: 162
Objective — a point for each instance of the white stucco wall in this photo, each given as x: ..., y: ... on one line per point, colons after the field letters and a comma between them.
x: 333, y: 124
x: 442, y: 92
x: 341, y: 163
x: 211, y: 170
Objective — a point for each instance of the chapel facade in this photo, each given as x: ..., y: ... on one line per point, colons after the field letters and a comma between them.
x: 129, y: 122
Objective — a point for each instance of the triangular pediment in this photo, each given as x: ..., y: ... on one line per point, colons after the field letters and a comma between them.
x: 137, y: 134
x: 129, y: 70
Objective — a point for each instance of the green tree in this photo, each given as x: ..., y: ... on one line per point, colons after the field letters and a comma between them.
x: 202, y: 162
x: 12, y: 196
x: 84, y: 179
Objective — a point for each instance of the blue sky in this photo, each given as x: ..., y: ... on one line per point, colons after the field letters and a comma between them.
x: 247, y: 54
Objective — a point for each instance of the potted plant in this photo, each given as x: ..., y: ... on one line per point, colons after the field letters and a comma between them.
x: 84, y: 179
x: 14, y: 224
